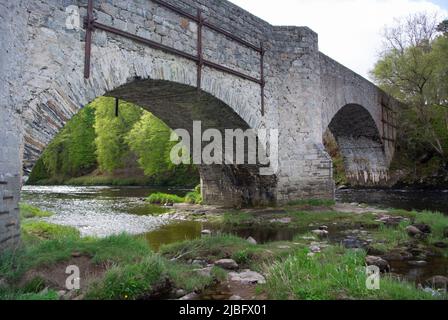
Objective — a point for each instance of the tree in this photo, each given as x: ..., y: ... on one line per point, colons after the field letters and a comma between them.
x: 414, y: 69
x: 443, y: 27
x: 150, y: 140
x: 113, y: 152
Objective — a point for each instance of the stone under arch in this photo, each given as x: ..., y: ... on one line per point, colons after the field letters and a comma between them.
x: 360, y: 144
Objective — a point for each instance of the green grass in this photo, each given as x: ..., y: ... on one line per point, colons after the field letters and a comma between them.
x: 336, y: 273
x: 312, y: 202
x: 33, y: 254
x: 28, y: 211
x: 152, y: 273
x: 134, y: 269
x: 40, y: 230
x: 238, y: 218
x: 193, y: 198
x: 164, y: 198
x: 214, y: 247
x: 22, y: 295
x: 388, y: 238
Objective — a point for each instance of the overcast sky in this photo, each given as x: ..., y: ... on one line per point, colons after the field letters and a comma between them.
x: 349, y: 30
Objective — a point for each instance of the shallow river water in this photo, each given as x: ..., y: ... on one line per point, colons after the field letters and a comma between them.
x: 102, y: 211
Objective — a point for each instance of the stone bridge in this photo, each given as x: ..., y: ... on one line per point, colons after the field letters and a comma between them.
x: 187, y: 60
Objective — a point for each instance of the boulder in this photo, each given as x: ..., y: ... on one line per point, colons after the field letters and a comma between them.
x: 382, y: 264
x: 413, y: 232
x: 251, y: 240
x: 228, y: 264
x: 437, y: 282
x: 320, y: 233
x: 423, y: 227
x: 247, y: 277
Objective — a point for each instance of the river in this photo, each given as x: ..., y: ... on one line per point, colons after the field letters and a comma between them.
x: 102, y: 211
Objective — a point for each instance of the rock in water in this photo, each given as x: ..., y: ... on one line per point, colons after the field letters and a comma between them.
x: 228, y: 264
x: 437, y: 282
x: 419, y: 263
x: 382, y: 264
x: 247, y: 277
x: 206, y: 232
x: 251, y: 240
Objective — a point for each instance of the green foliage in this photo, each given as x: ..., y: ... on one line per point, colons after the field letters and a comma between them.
x: 415, y: 71
x: 113, y: 151
x: 150, y: 140
x: 164, y: 198
x: 72, y: 151
x: 119, y: 146
x: 29, y: 211
x: 194, y: 197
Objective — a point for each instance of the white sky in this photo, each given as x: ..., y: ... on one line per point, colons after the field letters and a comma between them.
x: 349, y: 30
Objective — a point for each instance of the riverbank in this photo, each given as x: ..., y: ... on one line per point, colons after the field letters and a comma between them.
x: 325, y: 259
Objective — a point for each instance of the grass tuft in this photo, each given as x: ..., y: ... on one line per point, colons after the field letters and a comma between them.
x: 28, y: 211
x: 164, y: 198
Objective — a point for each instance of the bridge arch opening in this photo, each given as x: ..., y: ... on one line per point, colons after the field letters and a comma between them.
x: 360, y: 146
x: 179, y: 106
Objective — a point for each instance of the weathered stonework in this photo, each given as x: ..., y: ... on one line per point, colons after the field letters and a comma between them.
x: 43, y: 86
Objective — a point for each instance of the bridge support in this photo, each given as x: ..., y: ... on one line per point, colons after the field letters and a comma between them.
x: 10, y: 178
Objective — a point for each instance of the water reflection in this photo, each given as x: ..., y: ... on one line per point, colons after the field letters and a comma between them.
x: 433, y: 200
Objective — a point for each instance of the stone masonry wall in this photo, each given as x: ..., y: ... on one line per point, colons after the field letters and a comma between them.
x: 43, y: 86
x: 12, y: 27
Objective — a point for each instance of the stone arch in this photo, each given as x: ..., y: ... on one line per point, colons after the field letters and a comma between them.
x: 360, y: 144
x: 178, y: 105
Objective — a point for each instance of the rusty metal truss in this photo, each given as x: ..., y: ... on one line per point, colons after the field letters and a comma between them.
x: 389, y: 124
x: 90, y: 24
